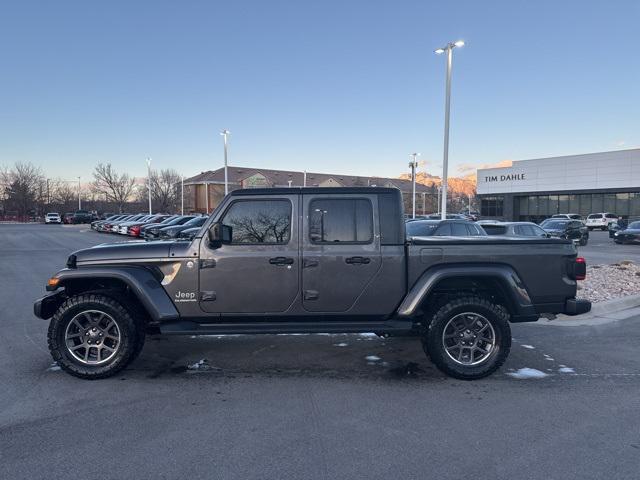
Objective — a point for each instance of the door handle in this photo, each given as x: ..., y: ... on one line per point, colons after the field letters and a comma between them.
x: 357, y: 260
x: 281, y: 261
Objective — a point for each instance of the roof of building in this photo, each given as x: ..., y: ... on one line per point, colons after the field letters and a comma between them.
x: 280, y: 178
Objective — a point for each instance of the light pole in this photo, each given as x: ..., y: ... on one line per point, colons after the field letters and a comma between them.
x: 225, y: 133
x: 413, y: 164
x: 448, y: 49
x: 182, y: 196
x: 79, y: 200
x: 424, y: 203
x: 149, y: 181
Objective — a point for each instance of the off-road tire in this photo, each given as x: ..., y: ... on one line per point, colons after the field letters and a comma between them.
x: 495, y: 314
x: 584, y: 240
x: 131, y: 335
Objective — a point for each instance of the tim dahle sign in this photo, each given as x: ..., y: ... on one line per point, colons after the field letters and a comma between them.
x: 504, y: 178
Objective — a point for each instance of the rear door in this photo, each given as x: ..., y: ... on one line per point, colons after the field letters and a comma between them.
x: 341, y: 250
x: 259, y: 271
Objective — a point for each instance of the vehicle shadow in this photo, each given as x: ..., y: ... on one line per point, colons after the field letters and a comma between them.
x: 339, y: 356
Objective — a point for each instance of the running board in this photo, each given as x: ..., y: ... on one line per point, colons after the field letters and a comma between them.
x: 187, y: 327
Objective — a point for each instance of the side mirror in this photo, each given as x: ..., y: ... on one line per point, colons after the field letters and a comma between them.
x: 219, y: 235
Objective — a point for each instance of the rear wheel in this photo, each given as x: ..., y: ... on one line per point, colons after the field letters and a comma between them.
x: 94, y: 336
x: 584, y: 240
x: 469, y: 338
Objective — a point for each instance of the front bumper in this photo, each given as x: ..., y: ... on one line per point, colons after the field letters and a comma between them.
x: 45, y: 307
x: 576, y: 306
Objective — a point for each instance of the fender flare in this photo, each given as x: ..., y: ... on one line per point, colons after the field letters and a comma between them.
x: 143, y: 284
x: 519, y: 302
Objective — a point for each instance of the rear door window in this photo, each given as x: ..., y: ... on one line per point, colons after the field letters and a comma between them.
x: 341, y: 220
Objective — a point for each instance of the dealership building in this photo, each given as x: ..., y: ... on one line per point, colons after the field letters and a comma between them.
x: 531, y: 190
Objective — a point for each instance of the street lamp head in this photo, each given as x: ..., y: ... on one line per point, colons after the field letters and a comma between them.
x: 459, y: 43
x: 225, y: 132
x: 439, y: 51
x: 148, y: 161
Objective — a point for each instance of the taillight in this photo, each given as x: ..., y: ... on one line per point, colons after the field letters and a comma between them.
x: 580, y: 269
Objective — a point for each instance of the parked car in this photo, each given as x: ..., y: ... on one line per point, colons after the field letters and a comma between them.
x: 153, y: 233
x: 135, y: 228
x: 631, y: 234
x: 616, y: 226
x: 105, y: 225
x: 123, y: 227
x: 52, y: 217
x: 163, y: 223
x: 82, y: 216
x: 444, y: 228
x: 569, y: 216
x: 600, y: 220
x: 189, y: 233
x: 95, y: 225
x: 173, y: 230
x: 115, y: 226
x: 472, y: 215
x: 568, y: 229
x: 67, y: 218
x: 515, y: 229
x: 309, y: 260
x: 450, y: 216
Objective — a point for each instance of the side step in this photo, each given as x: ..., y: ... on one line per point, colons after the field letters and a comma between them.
x: 187, y: 327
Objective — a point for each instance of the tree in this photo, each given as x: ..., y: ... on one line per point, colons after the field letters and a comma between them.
x: 22, y: 187
x: 116, y: 188
x: 165, y: 190
x: 63, y: 193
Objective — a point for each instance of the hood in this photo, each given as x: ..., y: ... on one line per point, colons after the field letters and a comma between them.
x: 124, y: 251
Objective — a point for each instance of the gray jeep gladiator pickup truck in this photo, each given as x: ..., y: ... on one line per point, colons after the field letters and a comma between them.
x: 309, y: 260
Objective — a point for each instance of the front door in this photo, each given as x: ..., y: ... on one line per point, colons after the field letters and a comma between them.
x: 258, y: 272
x: 341, y: 250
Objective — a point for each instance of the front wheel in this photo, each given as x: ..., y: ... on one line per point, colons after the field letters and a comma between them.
x: 94, y: 336
x: 469, y: 338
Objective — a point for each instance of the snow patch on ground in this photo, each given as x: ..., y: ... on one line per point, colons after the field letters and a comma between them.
x: 198, y: 365
x: 530, y: 347
x: 526, y: 373
x: 54, y: 367
x: 372, y: 358
x: 566, y: 370
x: 342, y: 344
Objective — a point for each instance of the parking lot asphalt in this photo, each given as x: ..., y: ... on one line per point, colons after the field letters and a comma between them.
x: 312, y: 407
x: 601, y: 250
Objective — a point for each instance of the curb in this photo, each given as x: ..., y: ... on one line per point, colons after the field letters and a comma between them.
x: 601, y: 312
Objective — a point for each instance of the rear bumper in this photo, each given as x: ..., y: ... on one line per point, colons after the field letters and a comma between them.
x: 576, y: 306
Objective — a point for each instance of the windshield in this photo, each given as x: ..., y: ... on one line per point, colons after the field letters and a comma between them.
x: 555, y: 225
x: 196, y: 222
x: 597, y: 215
x: 495, y: 229
x: 634, y: 225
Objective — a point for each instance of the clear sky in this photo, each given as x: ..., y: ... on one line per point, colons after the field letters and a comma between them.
x: 344, y: 86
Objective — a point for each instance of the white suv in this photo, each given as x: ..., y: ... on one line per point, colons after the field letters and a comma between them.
x: 601, y: 220
x: 52, y: 218
x: 569, y: 216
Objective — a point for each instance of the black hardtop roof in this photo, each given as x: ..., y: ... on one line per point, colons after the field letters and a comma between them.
x: 313, y: 190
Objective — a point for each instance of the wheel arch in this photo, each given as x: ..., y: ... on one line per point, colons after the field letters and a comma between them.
x: 499, y: 282
x: 139, y: 283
